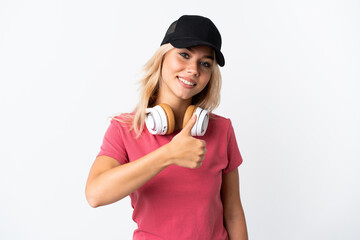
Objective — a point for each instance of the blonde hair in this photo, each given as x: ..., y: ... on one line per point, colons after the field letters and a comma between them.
x: 208, y: 98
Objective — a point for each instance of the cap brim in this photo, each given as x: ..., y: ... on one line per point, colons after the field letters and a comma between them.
x: 185, y: 43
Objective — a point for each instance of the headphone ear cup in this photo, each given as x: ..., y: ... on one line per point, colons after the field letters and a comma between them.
x: 202, y: 122
x: 155, y: 120
x: 170, y: 118
x: 188, y: 114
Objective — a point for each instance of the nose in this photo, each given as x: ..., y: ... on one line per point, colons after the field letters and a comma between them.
x: 193, y: 68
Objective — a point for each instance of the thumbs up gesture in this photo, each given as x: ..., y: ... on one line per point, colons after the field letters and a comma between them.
x: 185, y: 150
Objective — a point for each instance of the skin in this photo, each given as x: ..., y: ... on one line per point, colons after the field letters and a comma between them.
x: 193, y: 65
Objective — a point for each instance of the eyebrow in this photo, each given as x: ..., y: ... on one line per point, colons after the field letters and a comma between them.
x: 207, y: 56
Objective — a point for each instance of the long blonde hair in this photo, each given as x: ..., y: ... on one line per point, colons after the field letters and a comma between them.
x: 208, y: 98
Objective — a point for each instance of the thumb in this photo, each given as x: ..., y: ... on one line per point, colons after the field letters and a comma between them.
x: 189, y: 125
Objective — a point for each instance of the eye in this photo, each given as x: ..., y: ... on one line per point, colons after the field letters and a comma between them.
x: 184, y: 55
x: 206, y: 64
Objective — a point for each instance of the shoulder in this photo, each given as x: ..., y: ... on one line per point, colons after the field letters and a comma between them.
x: 219, y: 126
x: 125, y: 118
x: 219, y: 121
x: 122, y: 121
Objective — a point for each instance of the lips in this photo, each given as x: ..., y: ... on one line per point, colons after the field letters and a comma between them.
x: 187, y: 81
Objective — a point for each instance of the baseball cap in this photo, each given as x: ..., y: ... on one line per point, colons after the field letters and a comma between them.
x: 194, y: 30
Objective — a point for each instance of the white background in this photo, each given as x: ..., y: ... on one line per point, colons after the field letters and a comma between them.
x: 290, y: 86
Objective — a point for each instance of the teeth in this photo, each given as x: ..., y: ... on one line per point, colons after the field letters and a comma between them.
x: 186, y: 82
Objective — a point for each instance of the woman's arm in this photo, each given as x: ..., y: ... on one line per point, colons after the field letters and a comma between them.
x: 234, y: 218
x: 110, y: 181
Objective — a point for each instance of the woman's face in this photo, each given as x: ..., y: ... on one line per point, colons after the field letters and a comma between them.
x: 186, y: 71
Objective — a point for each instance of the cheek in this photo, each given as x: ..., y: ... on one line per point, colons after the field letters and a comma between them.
x: 206, y: 81
x: 206, y: 78
x: 167, y: 69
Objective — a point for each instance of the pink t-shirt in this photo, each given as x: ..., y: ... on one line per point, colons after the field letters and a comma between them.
x: 179, y: 203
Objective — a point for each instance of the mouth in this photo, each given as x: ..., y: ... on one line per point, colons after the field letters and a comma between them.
x: 187, y: 82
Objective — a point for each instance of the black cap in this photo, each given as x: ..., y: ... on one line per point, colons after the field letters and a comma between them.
x: 192, y: 30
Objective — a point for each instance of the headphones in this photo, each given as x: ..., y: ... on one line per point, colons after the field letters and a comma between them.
x: 160, y: 120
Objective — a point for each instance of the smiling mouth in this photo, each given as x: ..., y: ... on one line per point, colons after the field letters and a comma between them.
x: 186, y: 82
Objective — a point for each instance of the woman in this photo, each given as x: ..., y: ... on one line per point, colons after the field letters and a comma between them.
x: 182, y: 177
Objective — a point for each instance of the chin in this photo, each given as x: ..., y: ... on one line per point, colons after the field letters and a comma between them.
x: 186, y: 96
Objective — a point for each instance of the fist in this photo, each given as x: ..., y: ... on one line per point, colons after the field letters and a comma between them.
x: 185, y: 150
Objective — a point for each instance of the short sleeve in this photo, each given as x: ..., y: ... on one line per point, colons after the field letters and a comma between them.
x: 233, y: 152
x: 113, y: 144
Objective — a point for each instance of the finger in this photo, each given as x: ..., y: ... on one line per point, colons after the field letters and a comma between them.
x: 189, y: 125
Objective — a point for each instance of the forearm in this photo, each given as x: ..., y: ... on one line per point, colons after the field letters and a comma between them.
x: 236, y: 227
x: 118, y: 182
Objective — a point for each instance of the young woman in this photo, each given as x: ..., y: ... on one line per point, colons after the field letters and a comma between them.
x: 175, y: 158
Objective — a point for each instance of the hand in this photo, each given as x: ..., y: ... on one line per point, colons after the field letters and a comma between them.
x: 185, y: 150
